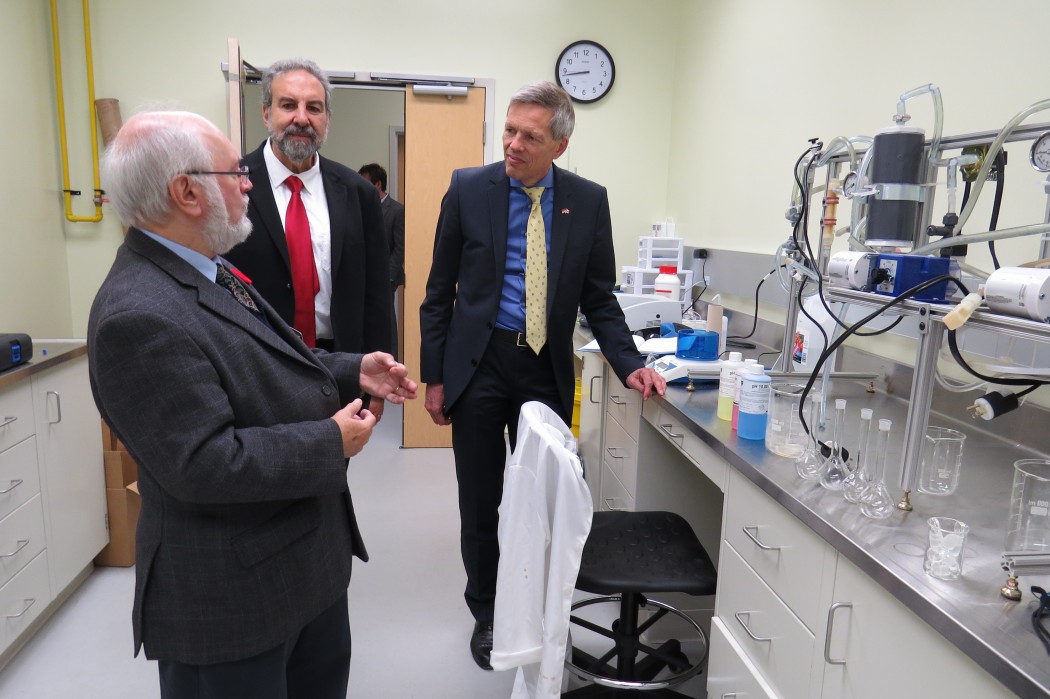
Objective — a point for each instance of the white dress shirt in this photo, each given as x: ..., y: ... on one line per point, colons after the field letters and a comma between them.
x: 316, y: 205
x: 544, y: 520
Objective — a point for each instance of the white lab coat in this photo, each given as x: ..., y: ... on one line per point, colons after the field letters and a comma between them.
x: 544, y: 520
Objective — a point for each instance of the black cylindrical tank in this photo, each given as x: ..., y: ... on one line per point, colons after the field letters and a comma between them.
x: 897, y: 163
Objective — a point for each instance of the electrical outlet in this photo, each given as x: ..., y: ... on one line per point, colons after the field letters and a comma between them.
x: 707, y: 280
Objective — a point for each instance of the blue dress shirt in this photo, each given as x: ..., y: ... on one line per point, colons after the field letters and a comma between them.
x: 511, y: 314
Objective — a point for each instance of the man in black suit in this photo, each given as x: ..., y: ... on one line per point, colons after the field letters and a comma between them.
x: 394, y: 222
x: 241, y: 433
x: 476, y: 357
x: 351, y: 307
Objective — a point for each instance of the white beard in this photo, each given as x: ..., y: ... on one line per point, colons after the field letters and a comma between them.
x: 218, y: 233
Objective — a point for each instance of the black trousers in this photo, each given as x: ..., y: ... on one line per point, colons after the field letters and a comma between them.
x: 507, y: 377
x: 314, y: 664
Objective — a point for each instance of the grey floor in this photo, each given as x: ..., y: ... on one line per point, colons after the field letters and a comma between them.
x: 409, y: 622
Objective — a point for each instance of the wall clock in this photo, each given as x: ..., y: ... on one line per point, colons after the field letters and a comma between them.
x: 585, y: 70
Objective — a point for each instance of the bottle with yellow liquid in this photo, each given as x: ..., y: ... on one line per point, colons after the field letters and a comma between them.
x: 727, y: 385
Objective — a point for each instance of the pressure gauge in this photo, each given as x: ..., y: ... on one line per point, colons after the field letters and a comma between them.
x: 849, y: 185
x: 1040, y: 155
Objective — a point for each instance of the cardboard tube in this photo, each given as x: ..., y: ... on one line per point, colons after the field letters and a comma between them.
x: 108, y: 111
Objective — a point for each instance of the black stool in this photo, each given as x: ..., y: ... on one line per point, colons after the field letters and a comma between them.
x: 628, y: 555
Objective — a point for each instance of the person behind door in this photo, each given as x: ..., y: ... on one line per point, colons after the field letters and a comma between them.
x: 318, y: 253
x: 394, y: 222
x: 241, y: 433
x: 521, y: 247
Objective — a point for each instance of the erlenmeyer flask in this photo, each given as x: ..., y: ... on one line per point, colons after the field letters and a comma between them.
x: 856, y: 483
x: 833, y: 473
x: 810, y: 461
x: 876, y: 501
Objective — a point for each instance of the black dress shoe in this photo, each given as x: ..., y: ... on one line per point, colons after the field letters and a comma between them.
x: 481, y: 644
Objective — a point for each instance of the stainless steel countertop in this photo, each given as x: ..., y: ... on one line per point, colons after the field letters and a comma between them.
x: 995, y: 632
x: 46, y: 354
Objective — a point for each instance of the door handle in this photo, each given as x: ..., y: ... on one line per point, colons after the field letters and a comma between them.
x: 590, y: 390
x: 58, y: 406
x: 827, y: 638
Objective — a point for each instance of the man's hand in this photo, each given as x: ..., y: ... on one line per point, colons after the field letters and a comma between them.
x: 383, y: 377
x: 356, y: 427
x: 434, y: 402
x: 376, y: 406
x: 646, y: 381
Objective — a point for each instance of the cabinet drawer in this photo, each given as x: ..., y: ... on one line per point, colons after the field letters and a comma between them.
x: 19, y: 477
x: 729, y: 672
x: 782, y: 648
x: 785, y: 553
x: 23, y: 599
x: 614, y: 495
x: 703, y: 457
x: 16, y: 414
x: 624, y: 405
x: 21, y: 538
x: 621, y: 454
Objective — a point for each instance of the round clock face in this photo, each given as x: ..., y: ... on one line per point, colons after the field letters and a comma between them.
x: 585, y: 70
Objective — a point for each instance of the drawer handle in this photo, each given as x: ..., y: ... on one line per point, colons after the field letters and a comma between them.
x: 28, y: 603
x: 58, y: 406
x: 759, y: 544
x: 666, y: 427
x: 612, y: 452
x: 726, y: 695
x: 611, y: 504
x: 827, y: 639
x: 617, y: 400
x: 14, y: 484
x: 749, y: 632
x: 590, y: 389
x: 22, y: 543
x: 8, y: 420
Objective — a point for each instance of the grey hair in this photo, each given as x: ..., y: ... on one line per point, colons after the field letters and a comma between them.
x: 148, y: 152
x: 288, y: 65
x: 547, y: 94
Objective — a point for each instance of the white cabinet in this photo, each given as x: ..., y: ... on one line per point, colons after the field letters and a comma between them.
x: 69, y: 446
x: 52, y: 493
x: 880, y: 648
x: 619, y: 477
x: 592, y: 410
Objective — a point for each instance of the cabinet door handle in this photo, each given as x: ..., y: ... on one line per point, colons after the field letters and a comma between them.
x: 8, y: 420
x: 590, y: 390
x: 28, y: 603
x: 612, y: 452
x: 759, y: 544
x: 749, y: 632
x: 22, y: 543
x: 14, y: 484
x: 58, y: 406
x: 611, y: 504
x: 666, y: 427
x: 726, y: 695
x: 616, y: 399
x: 827, y: 638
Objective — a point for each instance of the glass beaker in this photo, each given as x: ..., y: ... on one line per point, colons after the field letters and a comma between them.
x: 833, y: 473
x: 941, y: 460
x: 876, y: 501
x: 944, y: 553
x: 810, y: 461
x: 1028, y: 528
x: 857, y: 482
x: 784, y: 435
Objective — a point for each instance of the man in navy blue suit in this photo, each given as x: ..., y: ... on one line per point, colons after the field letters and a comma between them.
x: 475, y: 358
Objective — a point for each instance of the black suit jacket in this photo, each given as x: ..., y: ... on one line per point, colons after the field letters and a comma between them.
x: 361, y: 304
x: 394, y: 222
x: 247, y: 528
x: 466, y: 279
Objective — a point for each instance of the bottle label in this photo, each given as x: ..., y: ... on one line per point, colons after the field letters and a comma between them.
x: 754, y: 397
x: 727, y: 384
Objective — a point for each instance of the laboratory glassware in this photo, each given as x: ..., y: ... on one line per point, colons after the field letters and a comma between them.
x: 941, y: 461
x: 944, y: 553
x: 858, y: 479
x: 833, y: 473
x: 809, y: 463
x: 784, y: 436
x: 876, y: 502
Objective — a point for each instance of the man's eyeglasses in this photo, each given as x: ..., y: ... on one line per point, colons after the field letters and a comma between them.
x: 241, y: 172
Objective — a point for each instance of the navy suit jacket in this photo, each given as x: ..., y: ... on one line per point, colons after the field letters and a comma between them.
x: 466, y: 279
x: 361, y: 303
x: 247, y: 528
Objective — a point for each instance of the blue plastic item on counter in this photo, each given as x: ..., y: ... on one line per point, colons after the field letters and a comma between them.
x: 696, y: 344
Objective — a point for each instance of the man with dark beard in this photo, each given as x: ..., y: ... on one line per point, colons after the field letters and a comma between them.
x: 241, y: 433
x: 330, y: 284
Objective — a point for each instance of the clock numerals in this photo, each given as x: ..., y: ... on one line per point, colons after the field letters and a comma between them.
x: 586, y: 70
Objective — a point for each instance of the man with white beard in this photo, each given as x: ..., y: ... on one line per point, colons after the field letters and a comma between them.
x: 241, y: 433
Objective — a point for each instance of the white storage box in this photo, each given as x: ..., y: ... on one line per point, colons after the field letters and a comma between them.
x: 636, y: 280
x: 655, y: 251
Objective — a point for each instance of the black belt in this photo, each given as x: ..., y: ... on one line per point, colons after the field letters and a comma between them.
x: 511, y: 337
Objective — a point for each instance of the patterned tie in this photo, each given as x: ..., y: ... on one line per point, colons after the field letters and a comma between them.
x: 535, y: 273
x: 305, y: 284
x: 225, y: 279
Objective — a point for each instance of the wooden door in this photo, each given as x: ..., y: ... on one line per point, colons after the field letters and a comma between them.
x: 441, y: 135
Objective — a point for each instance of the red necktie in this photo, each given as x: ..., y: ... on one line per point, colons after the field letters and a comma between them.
x: 305, y: 284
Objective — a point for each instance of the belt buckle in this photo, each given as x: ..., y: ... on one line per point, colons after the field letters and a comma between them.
x: 519, y: 340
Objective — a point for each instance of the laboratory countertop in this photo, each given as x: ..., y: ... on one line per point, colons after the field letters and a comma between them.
x: 997, y: 633
x: 46, y: 354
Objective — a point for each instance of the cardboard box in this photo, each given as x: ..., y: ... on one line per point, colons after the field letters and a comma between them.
x: 123, y: 505
x: 121, y: 469
x: 108, y: 440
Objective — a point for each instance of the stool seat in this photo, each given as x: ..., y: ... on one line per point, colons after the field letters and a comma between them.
x: 644, y: 552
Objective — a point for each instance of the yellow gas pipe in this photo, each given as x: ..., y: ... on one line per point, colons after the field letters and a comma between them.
x: 62, y: 117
